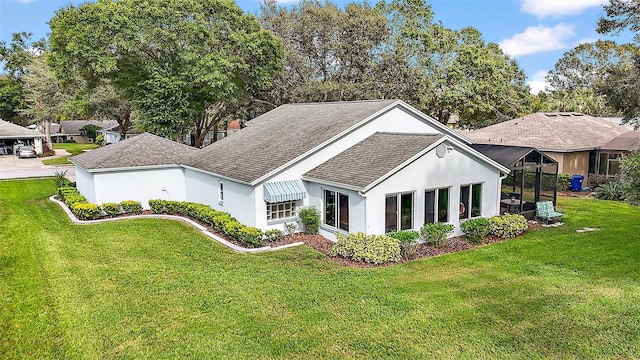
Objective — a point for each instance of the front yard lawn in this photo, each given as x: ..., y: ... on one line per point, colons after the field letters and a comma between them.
x: 72, y: 148
x: 152, y: 288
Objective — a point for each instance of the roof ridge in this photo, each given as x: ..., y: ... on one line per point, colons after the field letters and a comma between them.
x: 340, y: 102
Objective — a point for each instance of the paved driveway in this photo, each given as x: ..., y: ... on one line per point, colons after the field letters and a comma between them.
x: 11, y: 167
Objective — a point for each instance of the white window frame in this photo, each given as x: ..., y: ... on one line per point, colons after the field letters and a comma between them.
x: 399, y: 209
x: 436, y: 216
x: 220, y: 192
x: 283, y: 210
x: 336, y: 210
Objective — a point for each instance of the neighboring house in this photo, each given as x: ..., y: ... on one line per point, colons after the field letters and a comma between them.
x: 72, y: 129
x: 112, y: 134
x: 368, y: 166
x: 234, y: 127
x: 572, y: 139
x: 610, y: 153
x: 12, y: 135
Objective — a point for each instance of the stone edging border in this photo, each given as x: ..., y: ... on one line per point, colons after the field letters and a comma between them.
x: 204, y: 230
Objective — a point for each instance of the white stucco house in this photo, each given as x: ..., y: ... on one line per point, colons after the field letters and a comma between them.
x: 368, y: 166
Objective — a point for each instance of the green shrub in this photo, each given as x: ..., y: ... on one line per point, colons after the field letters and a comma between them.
x: 65, y: 190
x: 174, y: 207
x: 376, y: 249
x: 610, y: 191
x: 131, y: 207
x: 111, y: 209
x: 220, y: 220
x: 630, y: 177
x: 86, y: 211
x: 408, y: 241
x: 310, y: 218
x: 273, y: 235
x: 157, y: 206
x: 507, y: 225
x: 436, y: 234
x: 232, y: 229
x: 250, y: 236
x: 60, y: 178
x: 72, y: 198
x: 564, y: 181
x: 475, y: 230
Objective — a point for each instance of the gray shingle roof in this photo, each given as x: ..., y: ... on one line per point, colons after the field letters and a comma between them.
x: 372, y: 158
x: 550, y: 131
x: 72, y: 127
x: 13, y: 131
x: 142, y: 150
x: 626, y: 142
x: 279, y: 136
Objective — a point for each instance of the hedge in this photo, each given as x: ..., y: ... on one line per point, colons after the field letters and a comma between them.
x: 507, y: 225
x: 111, y: 209
x: 376, y: 249
x: 131, y: 207
x: 86, y: 211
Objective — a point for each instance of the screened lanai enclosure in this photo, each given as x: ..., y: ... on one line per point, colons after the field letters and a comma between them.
x: 533, y: 177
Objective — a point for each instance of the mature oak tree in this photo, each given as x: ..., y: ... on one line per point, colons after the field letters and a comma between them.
x: 180, y: 62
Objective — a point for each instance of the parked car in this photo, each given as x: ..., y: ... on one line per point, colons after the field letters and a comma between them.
x: 26, y: 152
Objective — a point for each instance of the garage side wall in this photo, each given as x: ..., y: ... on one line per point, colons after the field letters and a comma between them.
x: 140, y: 185
x: 85, y: 184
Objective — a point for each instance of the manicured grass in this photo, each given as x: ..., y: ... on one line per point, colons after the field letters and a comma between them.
x: 159, y: 289
x: 72, y: 148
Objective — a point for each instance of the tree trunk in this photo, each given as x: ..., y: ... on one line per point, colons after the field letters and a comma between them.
x: 46, y: 125
x: 123, y: 124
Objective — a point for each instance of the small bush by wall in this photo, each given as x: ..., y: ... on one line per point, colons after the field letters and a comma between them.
x: 72, y: 198
x: 507, y: 225
x: 273, y: 235
x: 85, y: 210
x: 475, y: 230
x: 111, y: 209
x: 436, y: 234
x: 310, y: 218
x: 157, y: 206
x: 131, y: 207
x: 408, y: 241
x: 376, y: 249
x: 251, y: 236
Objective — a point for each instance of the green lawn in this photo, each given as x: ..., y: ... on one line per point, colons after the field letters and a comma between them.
x: 159, y: 289
x: 72, y: 148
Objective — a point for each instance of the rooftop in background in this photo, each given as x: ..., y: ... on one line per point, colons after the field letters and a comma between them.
x: 507, y: 155
x: 372, y: 158
x: 12, y: 131
x: 141, y: 150
x: 72, y: 127
x: 558, y: 131
x: 627, y: 142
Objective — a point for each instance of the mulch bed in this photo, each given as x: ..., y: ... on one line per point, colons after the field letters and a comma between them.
x: 323, y: 245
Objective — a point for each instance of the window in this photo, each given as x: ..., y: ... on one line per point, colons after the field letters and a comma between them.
x: 436, y: 206
x: 398, y: 204
x: 470, y: 195
x: 221, y: 192
x: 281, y: 210
x: 336, y: 209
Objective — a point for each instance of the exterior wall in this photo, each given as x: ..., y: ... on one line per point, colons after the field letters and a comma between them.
x: 37, y: 144
x: 139, y: 184
x: 111, y: 137
x: 239, y: 199
x: 85, y: 184
x: 572, y: 163
x: 430, y: 172
x: 395, y: 120
x: 357, y: 209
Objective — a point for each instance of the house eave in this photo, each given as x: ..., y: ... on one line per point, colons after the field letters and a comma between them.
x: 129, y: 168
x: 568, y: 150
x: 332, y: 183
x: 217, y: 175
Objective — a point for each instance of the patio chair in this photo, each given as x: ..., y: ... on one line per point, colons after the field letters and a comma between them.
x: 546, y: 211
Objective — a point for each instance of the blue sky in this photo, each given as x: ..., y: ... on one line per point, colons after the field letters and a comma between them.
x: 535, y: 32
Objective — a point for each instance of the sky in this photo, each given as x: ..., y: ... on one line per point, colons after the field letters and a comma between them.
x: 534, y: 32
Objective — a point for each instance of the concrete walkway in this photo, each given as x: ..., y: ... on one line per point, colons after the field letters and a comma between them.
x: 12, y: 167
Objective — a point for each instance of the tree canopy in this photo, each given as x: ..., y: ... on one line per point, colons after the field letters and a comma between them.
x: 174, y: 60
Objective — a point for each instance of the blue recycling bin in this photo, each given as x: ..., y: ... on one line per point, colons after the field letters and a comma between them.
x: 576, y: 182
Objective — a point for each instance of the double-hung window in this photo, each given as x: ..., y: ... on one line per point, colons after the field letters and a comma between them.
x: 436, y: 205
x: 336, y: 209
x: 398, y: 212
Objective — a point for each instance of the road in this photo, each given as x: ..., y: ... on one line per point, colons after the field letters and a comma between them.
x: 13, y: 168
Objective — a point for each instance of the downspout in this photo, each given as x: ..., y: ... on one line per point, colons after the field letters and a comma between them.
x: 502, y: 177
x: 365, y: 210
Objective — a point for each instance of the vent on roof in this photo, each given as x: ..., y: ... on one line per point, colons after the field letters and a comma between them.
x: 566, y: 114
x: 551, y: 114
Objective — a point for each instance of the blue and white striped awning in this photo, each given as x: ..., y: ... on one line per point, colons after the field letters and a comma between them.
x: 279, y: 191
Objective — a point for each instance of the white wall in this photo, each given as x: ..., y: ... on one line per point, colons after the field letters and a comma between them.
x: 395, y: 120
x: 85, y: 184
x: 140, y: 185
x: 357, y: 208
x: 429, y: 172
x: 239, y: 199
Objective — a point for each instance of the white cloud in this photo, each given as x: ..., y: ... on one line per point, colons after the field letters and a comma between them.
x: 557, y: 8
x: 536, y: 39
x: 584, y: 41
x: 538, y: 82
x: 26, y: 1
